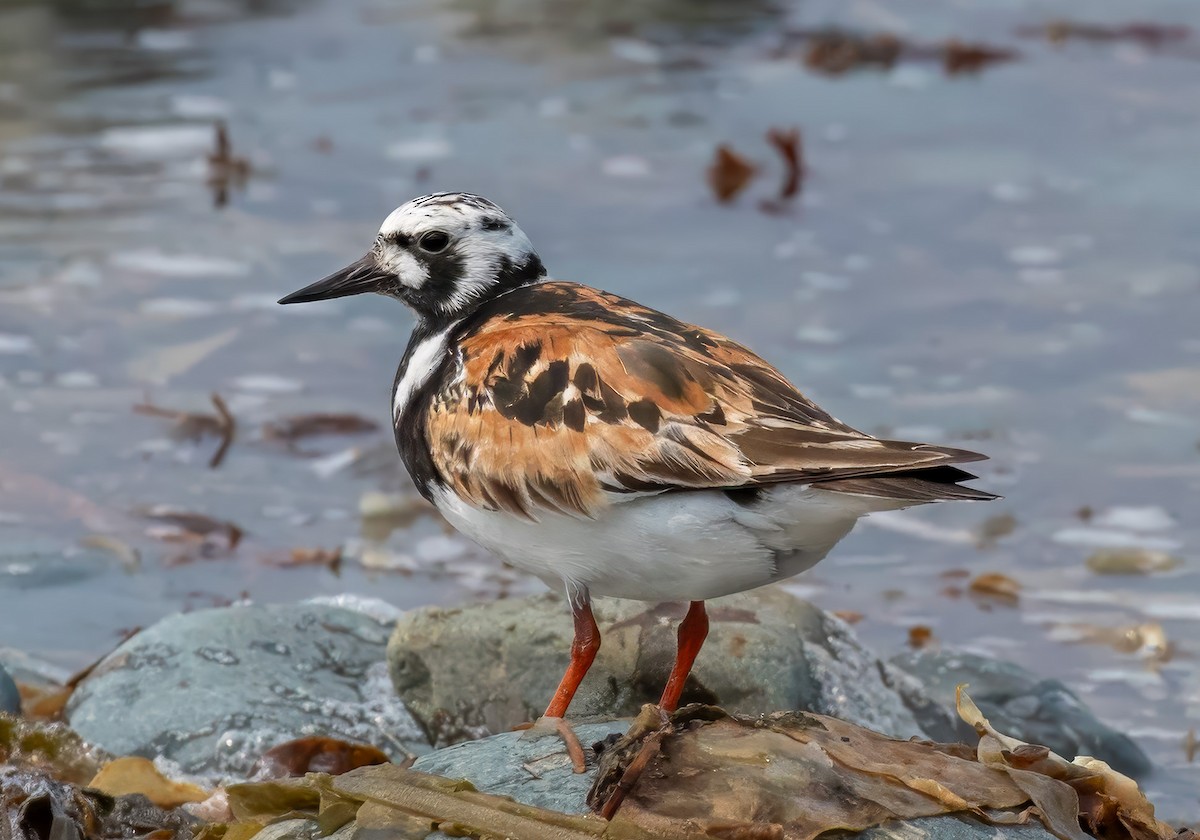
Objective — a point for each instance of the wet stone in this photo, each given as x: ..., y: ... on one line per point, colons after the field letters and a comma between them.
x: 10, y: 698
x: 214, y: 689
x: 471, y: 672
x: 531, y: 767
x: 1025, y: 706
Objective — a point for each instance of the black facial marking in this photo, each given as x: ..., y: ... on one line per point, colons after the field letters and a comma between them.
x: 646, y: 414
x: 445, y: 270
x: 494, y: 223
x: 511, y: 275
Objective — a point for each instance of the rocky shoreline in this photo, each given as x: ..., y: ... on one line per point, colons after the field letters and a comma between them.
x: 205, y: 695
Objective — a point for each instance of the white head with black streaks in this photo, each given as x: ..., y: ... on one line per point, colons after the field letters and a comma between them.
x: 442, y: 254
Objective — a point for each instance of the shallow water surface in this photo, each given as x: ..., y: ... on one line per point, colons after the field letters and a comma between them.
x: 1003, y: 260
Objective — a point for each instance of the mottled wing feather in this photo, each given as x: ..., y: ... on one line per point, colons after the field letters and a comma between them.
x: 563, y: 396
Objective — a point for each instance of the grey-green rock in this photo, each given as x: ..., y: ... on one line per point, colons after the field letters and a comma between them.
x: 1025, y: 706
x: 483, y: 669
x: 213, y: 689
x: 10, y: 698
x: 530, y: 767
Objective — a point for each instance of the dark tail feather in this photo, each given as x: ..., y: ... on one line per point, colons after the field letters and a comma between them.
x: 937, y: 484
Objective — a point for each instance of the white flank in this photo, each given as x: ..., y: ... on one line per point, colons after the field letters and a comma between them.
x: 421, y: 364
x: 672, y: 547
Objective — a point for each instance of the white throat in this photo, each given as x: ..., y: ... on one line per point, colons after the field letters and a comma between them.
x: 423, y: 361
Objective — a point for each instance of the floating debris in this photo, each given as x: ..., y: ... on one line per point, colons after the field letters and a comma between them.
x: 788, y: 144
x: 959, y: 57
x: 383, y: 513
x: 226, y: 170
x: 729, y: 174
x: 291, y: 429
x: 130, y: 557
x: 316, y: 754
x: 1131, y: 561
x: 835, y: 52
x: 190, y: 425
x: 1148, y: 641
x: 330, y: 558
x: 996, y: 586
x: 995, y: 528
x: 1149, y: 35
x: 920, y: 636
x: 181, y: 526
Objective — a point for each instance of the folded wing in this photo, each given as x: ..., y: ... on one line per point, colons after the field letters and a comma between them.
x: 566, y: 398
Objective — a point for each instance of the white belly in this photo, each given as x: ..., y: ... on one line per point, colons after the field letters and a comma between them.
x: 673, y: 547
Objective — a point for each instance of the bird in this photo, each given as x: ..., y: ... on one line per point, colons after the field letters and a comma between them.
x: 606, y: 447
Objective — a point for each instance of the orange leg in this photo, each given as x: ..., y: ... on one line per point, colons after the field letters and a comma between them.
x: 583, y: 651
x: 693, y: 630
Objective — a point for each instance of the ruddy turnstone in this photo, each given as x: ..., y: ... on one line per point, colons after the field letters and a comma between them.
x: 605, y: 447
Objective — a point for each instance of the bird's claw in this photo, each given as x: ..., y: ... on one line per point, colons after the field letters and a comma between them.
x: 544, y: 726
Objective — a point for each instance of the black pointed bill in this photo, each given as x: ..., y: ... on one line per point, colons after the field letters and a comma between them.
x: 364, y: 275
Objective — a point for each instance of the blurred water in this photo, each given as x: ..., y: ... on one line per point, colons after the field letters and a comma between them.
x: 1007, y: 261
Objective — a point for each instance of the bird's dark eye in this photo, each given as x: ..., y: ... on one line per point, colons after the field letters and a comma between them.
x: 434, y: 241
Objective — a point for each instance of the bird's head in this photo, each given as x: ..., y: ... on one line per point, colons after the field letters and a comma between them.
x: 441, y: 254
